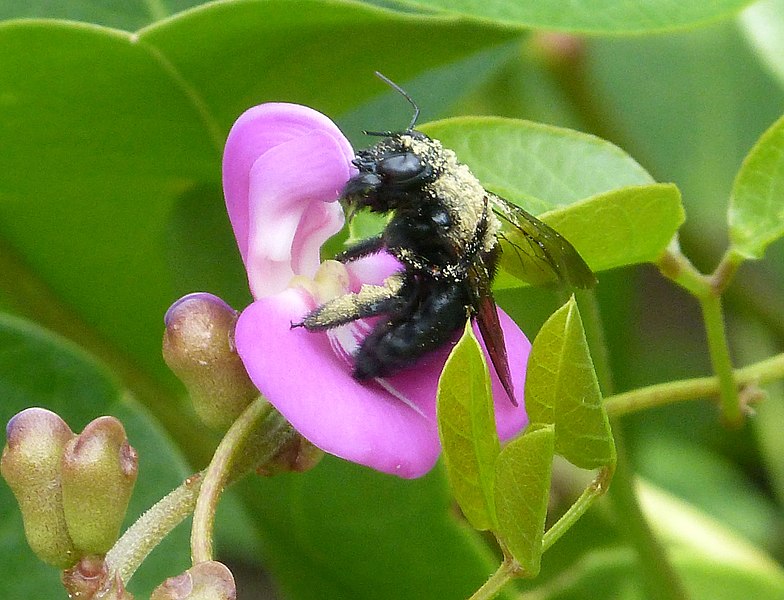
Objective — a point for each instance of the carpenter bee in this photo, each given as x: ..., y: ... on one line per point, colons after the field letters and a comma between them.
x: 447, y: 232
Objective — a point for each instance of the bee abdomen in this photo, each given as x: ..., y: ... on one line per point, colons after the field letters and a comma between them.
x: 400, y: 341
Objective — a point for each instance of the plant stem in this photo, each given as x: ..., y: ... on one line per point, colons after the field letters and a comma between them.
x: 659, y: 579
x: 254, y: 438
x: 658, y: 575
x: 147, y: 532
x: 662, y: 394
x: 597, y: 488
x: 503, y: 575
x: 708, y: 289
x: 720, y: 359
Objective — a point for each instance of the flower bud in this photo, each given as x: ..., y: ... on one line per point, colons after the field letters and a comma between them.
x: 198, y: 345
x: 205, y: 581
x: 99, y: 471
x: 31, y: 465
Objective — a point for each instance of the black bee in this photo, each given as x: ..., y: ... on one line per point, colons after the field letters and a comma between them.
x: 446, y: 230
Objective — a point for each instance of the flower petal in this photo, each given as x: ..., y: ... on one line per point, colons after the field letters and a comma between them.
x: 283, y: 167
x: 312, y: 387
x: 389, y: 424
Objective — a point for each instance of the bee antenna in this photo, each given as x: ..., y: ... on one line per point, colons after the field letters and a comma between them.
x: 405, y: 95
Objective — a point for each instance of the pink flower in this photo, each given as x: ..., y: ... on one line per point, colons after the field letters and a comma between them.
x: 284, y: 167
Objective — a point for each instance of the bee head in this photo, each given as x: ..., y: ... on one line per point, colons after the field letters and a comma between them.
x: 389, y: 172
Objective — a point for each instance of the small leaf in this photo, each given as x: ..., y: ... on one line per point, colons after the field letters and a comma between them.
x: 522, y: 488
x: 756, y: 214
x: 596, y: 16
x: 627, y: 226
x: 466, y: 427
x: 562, y: 389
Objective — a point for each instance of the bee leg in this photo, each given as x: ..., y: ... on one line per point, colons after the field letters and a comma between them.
x: 369, y: 301
x: 361, y: 248
x: 412, y: 332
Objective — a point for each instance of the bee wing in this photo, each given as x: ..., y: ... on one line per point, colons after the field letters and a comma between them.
x: 544, y: 255
x: 486, y: 315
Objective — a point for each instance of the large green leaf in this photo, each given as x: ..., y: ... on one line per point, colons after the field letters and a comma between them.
x: 756, y: 214
x: 541, y: 167
x: 597, y: 16
x: 688, y: 117
x: 763, y: 24
x: 636, y: 225
x: 111, y: 198
x: 467, y: 430
x: 561, y: 389
x: 522, y: 491
x: 342, y: 532
x: 110, y: 130
x: 614, y: 574
x: 38, y: 368
x: 593, y: 193
x: 127, y: 14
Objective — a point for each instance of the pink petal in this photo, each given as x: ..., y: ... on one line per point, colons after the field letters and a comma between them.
x: 388, y: 425
x: 284, y: 165
x: 302, y: 377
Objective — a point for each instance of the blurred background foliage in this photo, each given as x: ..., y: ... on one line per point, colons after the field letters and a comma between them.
x: 111, y: 208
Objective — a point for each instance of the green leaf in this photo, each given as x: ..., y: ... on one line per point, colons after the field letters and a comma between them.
x: 756, y: 213
x: 593, y: 193
x: 38, y: 368
x: 626, y: 226
x: 616, y: 572
x: 522, y: 491
x: 466, y: 426
x: 539, y: 167
x: 691, y: 117
x: 763, y: 24
x: 127, y: 14
x: 597, y: 16
x: 317, y: 527
x: 127, y: 139
x: 561, y: 389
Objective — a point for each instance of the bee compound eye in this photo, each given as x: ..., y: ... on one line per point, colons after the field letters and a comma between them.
x: 403, y: 169
x: 361, y: 185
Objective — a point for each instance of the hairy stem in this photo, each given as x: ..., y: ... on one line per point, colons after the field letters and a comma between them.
x: 151, y: 528
x: 253, y: 439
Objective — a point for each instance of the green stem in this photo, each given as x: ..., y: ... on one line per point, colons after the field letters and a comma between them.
x: 658, y: 576
x: 597, y: 488
x: 507, y: 571
x: 708, y: 289
x: 720, y: 359
x: 662, y: 394
x: 149, y: 530
x: 254, y: 438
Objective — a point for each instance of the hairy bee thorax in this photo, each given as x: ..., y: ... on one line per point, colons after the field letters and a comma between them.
x: 451, y: 185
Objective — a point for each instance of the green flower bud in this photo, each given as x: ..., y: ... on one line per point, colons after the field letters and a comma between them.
x: 98, y: 474
x: 198, y: 345
x: 205, y: 581
x: 31, y: 464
